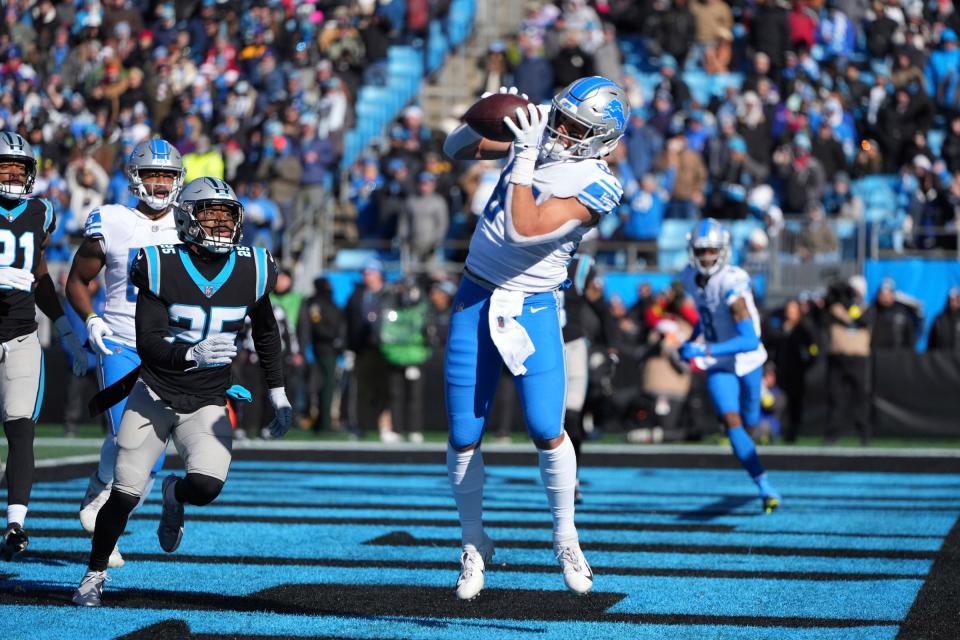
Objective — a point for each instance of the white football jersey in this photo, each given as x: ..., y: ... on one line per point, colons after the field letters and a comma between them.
x: 123, y: 231
x: 540, y: 267
x: 713, y: 304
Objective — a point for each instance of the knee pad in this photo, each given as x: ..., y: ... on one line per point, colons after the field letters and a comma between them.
x: 202, y: 490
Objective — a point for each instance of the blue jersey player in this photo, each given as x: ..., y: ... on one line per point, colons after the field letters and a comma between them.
x: 731, y: 351
x: 555, y: 187
x: 112, y: 236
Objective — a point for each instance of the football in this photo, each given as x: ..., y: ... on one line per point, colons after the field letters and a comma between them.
x: 486, y: 115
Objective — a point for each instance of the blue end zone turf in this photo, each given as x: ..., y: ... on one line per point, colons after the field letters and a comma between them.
x: 370, y: 551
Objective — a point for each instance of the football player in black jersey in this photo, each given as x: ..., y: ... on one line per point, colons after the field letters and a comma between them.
x: 191, y: 304
x: 25, y: 225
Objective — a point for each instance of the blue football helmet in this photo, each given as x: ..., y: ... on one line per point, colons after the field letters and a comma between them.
x: 709, y: 234
x: 594, y: 110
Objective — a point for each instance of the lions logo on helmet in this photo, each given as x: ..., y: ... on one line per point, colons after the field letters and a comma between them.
x: 155, y: 155
x: 709, y: 247
x: 587, y: 119
x: 209, y: 215
x: 16, y: 182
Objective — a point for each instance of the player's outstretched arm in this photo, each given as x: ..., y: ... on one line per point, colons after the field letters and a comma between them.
x: 464, y: 143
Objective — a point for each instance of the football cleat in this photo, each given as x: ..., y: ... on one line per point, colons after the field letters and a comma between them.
x: 116, y: 560
x: 472, y: 565
x: 770, y: 504
x: 577, y: 574
x: 90, y: 591
x: 15, y: 541
x: 170, y: 531
x: 96, y: 496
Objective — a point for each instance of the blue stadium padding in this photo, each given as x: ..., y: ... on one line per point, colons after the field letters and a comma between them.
x: 926, y: 280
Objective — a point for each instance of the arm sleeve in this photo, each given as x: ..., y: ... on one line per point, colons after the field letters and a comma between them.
x: 152, y: 322
x: 46, y: 297
x: 746, y: 340
x: 266, y: 339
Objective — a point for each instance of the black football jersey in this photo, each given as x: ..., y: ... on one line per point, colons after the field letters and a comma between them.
x: 201, y: 297
x: 23, y: 232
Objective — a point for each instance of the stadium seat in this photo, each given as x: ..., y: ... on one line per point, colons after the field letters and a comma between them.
x: 672, y: 244
x: 354, y: 259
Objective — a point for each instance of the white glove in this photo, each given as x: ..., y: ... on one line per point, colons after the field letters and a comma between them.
x: 97, y: 329
x: 16, y: 278
x: 216, y: 351
x: 77, y: 353
x: 284, y: 412
x: 528, y: 136
x: 511, y: 90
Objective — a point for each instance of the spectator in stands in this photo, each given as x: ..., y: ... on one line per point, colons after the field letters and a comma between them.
x: 803, y: 25
x: 754, y: 128
x: 86, y: 182
x: 642, y: 213
x: 441, y: 295
x: 770, y: 33
x: 945, y: 332
x: 951, y: 145
x: 260, y: 215
x: 894, y: 321
x: 533, y: 75
x: 671, y: 83
x: 424, y: 220
x: 848, y: 357
x: 906, y: 74
x: 756, y: 258
x: 283, y: 172
x: 678, y: 29
x: 761, y: 203
x: 363, y: 316
x: 607, y: 60
x: 687, y: 176
x: 317, y: 158
x: 321, y: 326
x: 920, y: 190
x: 840, y: 202
x: 718, y: 57
x: 803, y: 175
x: 643, y: 143
x: 714, y: 20
x: 943, y: 72
x: 837, y: 33
x: 571, y: 62
x: 828, y: 150
x: 897, y: 121
x: 869, y: 160
x: 818, y: 241
x: 728, y: 195
x: 790, y: 339
x: 881, y: 30
x: 771, y: 407
x: 496, y: 69
x: 403, y: 343
x: 204, y: 160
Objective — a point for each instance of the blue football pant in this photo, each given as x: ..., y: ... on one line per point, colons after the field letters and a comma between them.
x: 473, y: 364
x: 737, y: 394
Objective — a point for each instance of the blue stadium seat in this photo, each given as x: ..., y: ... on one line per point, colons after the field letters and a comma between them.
x: 354, y: 259
x: 672, y: 244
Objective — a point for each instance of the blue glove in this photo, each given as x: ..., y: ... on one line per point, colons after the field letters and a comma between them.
x: 691, y: 350
x: 239, y: 393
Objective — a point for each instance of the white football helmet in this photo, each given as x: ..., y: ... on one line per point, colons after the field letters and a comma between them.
x: 709, y: 234
x: 195, y: 197
x: 595, y: 111
x: 13, y: 148
x: 158, y: 155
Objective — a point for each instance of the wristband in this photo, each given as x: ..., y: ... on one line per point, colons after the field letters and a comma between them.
x: 524, y: 162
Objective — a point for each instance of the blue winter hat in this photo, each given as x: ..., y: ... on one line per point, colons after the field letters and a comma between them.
x: 948, y: 35
x: 737, y: 145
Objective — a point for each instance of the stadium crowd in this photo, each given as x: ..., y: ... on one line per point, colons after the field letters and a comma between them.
x: 816, y: 98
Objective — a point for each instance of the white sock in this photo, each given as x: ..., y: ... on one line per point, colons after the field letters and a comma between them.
x: 16, y: 513
x: 108, y: 458
x: 558, y: 469
x: 146, y: 491
x: 466, y: 473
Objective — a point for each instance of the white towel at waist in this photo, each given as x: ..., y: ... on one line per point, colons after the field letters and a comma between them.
x: 511, y: 339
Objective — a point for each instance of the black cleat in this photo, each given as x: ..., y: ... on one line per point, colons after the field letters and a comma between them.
x: 15, y: 541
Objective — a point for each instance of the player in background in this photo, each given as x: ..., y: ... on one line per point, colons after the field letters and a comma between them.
x: 731, y: 351
x: 25, y: 227
x: 554, y: 189
x: 191, y: 305
x: 111, y: 238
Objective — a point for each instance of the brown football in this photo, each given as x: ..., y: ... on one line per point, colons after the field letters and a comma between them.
x: 486, y: 115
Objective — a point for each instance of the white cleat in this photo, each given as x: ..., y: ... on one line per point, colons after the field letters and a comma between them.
x: 472, y: 565
x: 116, y: 560
x: 577, y: 574
x: 90, y: 591
x: 96, y: 496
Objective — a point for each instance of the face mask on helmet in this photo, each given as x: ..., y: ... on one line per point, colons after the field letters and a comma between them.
x: 16, y: 177
x: 156, y: 188
x: 214, y: 225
